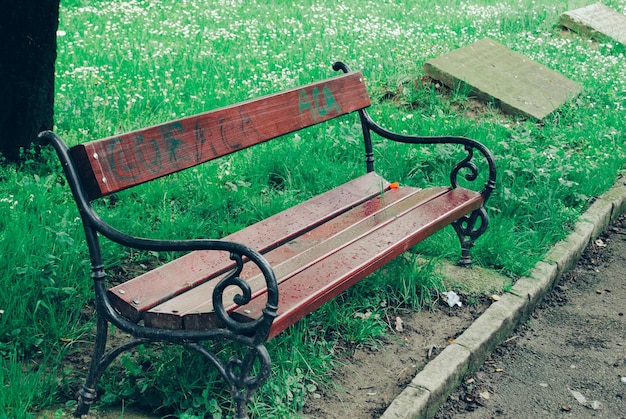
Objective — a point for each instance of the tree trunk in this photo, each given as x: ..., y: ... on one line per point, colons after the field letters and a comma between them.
x: 27, y: 56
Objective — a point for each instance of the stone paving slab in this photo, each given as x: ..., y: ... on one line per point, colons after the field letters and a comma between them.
x: 596, y: 21
x: 519, y: 85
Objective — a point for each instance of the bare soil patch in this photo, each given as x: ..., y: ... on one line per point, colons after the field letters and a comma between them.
x: 370, y: 378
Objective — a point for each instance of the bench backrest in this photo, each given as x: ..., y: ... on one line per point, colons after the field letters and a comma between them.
x: 116, y: 163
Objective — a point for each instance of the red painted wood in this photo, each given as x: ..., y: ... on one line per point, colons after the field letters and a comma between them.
x: 196, y: 307
x: 134, y: 297
x: 194, y: 310
x: 112, y: 164
x: 309, y: 289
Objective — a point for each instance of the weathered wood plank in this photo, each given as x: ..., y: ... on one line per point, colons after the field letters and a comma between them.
x: 134, y: 297
x: 310, y: 275
x: 296, y: 255
x: 309, y: 289
x: 596, y: 21
x: 112, y: 164
x: 519, y: 85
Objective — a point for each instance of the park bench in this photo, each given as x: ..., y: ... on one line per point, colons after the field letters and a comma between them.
x: 251, y: 285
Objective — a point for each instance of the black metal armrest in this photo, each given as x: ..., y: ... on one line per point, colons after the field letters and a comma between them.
x: 466, y: 164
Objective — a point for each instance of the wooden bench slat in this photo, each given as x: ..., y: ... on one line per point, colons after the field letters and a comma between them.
x: 293, y: 256
x: 116, y: 163
x: 195, y: 311
x: 134, y: 297
x: 309, y: 289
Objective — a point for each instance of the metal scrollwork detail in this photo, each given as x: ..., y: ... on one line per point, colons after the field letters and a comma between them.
x: 465, y: 164
x: 239, y: 371
x: 243, y: 375
x: 469, y: 228
x: 243, y: 384
x: 234, y: 279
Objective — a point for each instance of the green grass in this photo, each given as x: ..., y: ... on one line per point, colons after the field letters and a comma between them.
x: 128, y: 64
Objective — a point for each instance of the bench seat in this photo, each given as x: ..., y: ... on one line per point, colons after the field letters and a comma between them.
x: 318, y: 249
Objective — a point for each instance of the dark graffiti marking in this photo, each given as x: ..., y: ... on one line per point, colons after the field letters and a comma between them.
x: 178, y: 145
x: 153, y: 152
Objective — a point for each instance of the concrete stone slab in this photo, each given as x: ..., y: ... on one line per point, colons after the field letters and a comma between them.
x: 475, y: 280
x: 617, y: 197
x: 492, y: 328
x: 599, y: 215
x: 596, y: 21
x: 532, y: 288
x: 519, y: 85
x: 566, y: 253
x: 412, y: 403
x: 441, y: 375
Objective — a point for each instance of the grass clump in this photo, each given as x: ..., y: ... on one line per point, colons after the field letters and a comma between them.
x: 129, y: 64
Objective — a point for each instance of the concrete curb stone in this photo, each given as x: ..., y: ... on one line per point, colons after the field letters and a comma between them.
x: 451, y: 365
x: 431, y: 387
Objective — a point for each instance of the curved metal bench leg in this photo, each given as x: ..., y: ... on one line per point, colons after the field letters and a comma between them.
x: 87, y: 394
x: 469, y: 228
x: 238, y: 373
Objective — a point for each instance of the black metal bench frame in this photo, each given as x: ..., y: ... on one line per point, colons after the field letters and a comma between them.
x: 251, y: 334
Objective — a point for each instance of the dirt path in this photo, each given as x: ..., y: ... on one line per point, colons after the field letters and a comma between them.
x: 569, y: 359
